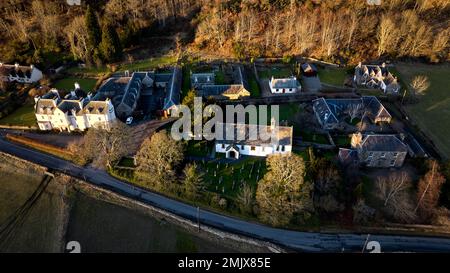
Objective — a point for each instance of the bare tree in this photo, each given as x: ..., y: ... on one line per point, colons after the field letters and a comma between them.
x: 354, y: 110
x: 386, y: 34
x: 428, y: 190
x: 420, y: 84
x: 393, y: 191
x: 106, y: 146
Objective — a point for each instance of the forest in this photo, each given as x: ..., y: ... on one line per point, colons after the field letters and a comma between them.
x: 344, y: 32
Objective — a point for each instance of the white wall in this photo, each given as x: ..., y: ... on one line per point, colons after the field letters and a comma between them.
x: 258, y: 151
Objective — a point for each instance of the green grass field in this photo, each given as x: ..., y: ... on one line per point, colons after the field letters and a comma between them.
x: 67, y: 84
x: 333, y: 76
x: 432, y: 112
x: 275, y: 72
x: 254, y: 87
x: 150, y: 63
x: 23, y: 116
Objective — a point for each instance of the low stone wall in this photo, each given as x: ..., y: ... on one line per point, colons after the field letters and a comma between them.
x: 17, y: 127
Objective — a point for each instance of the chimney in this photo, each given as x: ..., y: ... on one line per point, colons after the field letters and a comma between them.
x: 127, y: 73
x: 36, y: 99
x: 16, y: 65
x: 383, y: 65
x: 77, y: 86
x: 1, y: 64
x: 272, y: 123
x: 73, y: 94
x: 31, y: 67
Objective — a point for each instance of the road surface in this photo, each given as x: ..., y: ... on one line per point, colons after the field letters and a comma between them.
x: 300, y: 241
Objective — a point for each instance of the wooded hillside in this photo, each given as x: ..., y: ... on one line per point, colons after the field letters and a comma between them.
x: 340, y: 31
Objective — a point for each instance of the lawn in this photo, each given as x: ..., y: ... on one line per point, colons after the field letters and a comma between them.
x: 342, y: 141
x: 67, y: 84
x: 197, y: 148
x: 432, y: 112
x: 276, y: 72
x: 227, y: 178
x: 312, y: 137
x: 219, y: 77
x: 254, y: 87
x: 23, y: 116
x: 287, y: 112
x: 333, y: 76
x: 150, y: 63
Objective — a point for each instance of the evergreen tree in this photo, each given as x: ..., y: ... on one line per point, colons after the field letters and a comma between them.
x: 110, y: 46
x: 93, y: 29
x: 193, y: 181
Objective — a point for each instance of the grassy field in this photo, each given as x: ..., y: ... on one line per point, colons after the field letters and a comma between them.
x: 23, y: 116
x: 150, y: 63
x: 39, y: 230
x: 219, y: 77
x: 67, y: 84
x: 276, y: 72
x: 432, y: 112
x: 91, y: 223
x: 197, y: 148
x: 254, y: 87
x: 333, y: 76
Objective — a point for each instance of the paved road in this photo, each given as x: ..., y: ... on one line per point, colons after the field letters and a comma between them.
x: 301, y: 241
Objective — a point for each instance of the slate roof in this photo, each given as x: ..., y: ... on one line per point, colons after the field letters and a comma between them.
x: 324, y: 112
x: 66, y: 106
x: 347, y: 156
x: 96, y: 107
x: 383, y: 143
x: 45, y: 106
x: 283, y: 135
x: 173, y: 89
x: 285, y: 83
x: 334, y: 108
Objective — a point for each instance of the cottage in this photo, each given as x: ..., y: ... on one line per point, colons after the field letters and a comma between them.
x: 374, y: 76
x: 21, y: 74
x: 282, y: 144
x: 382, y: 151
x: 308, y: 70
x: 286, y: 85
x: 205, y: 88
x: 199, y: 80
x: 330, y: 112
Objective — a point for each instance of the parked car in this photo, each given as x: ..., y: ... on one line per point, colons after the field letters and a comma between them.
x: 129, y: 120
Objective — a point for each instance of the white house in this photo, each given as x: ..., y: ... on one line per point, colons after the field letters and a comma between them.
x: 73, y: 112
x: 280, y: 143
x: 21, y: 74
x: 287, y: 85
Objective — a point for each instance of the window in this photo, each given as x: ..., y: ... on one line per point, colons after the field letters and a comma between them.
x: 383, y: 154
x: 282, y: 148
x: 99, y: 118
x: 253, y: 148
x: 392, y: 162
x: 242, y: 147
x: 370, y: 154
x: 290, y: 89
x: 395, y: 154
x: 278, y: 90
x: 223, y: 146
